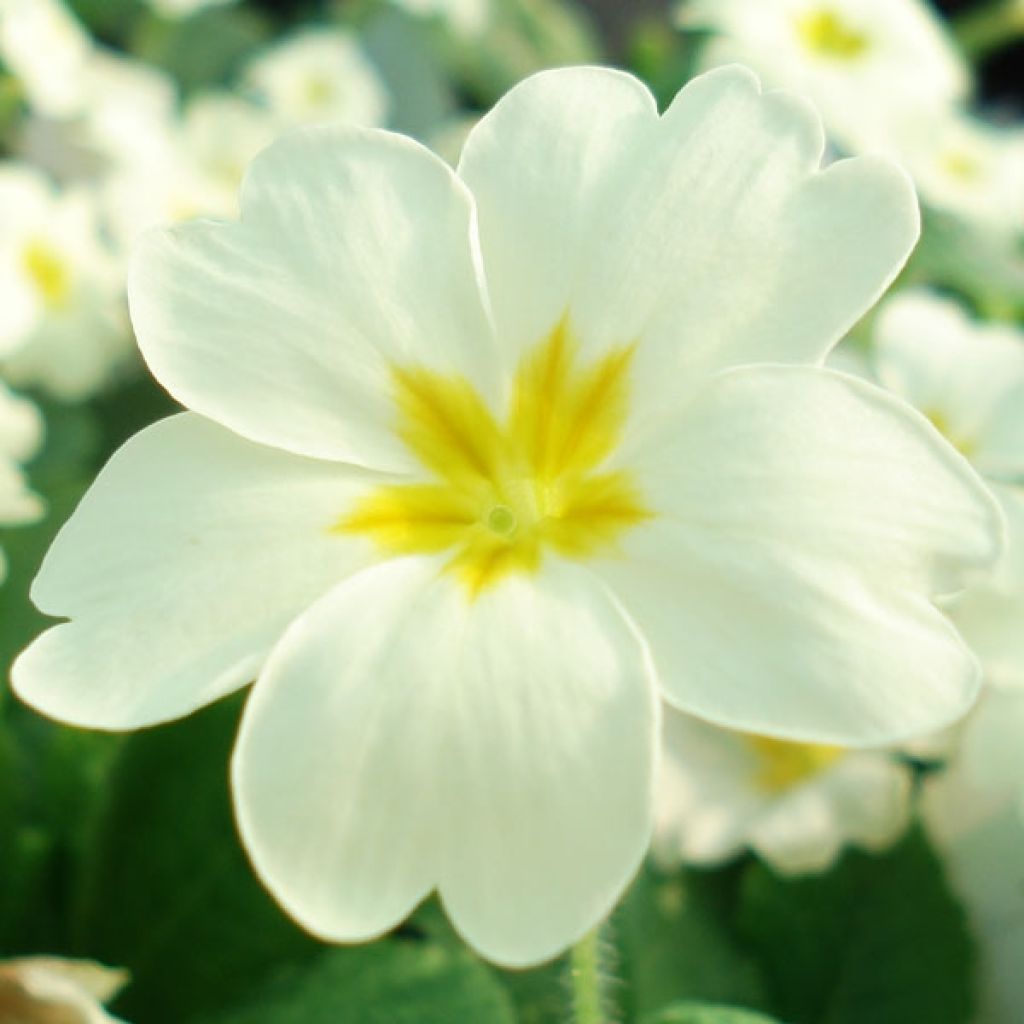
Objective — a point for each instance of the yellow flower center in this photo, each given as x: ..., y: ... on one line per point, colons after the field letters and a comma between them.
x: 961, y: 165
x: 500, y: 494
x: 781, y: 764
x: 317, y: 91
x: 826, y: 34
x: 48, y: 272
x: 964, y: 445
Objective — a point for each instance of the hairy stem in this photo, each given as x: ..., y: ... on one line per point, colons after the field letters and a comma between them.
x: 586, y: 980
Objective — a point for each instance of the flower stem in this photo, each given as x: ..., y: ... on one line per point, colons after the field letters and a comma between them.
x: 586, y: 981
x: 991, y: 27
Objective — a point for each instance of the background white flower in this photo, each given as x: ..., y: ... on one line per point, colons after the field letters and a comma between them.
x: 975, y: 812
x: 21, y: 431
x: 62, y: 325
x: 795, y: 804
x: 47, y: 48
x: 962, y: 165
x: 318, y: 75
x: 193, y: 169
x: 864, y: 63
x: 476, y: 461
x: 967, y: 378
x: 51, y: 990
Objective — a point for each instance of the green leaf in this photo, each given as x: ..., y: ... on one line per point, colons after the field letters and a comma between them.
x: 523, y: 36
x: 675, y: 943
x: 169, y: 893
x: 206, y: 49
x: 394, y: 981
x: 401, y: 48
x: 878, y: 939
x: 705, y: 1013
x: 987, y: 268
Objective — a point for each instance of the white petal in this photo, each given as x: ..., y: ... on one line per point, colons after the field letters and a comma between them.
x: 354, y: 251
x: 864, y: 799
x: 968, y: 375
x: 804, y: 522
x: 544, y: 166
x: 402, y: 737
x: 707, y: 797
x: 709, y: 235
x: 181, y: 567
x: 990, y: 614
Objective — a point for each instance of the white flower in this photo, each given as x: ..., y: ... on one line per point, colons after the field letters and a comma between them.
x: 131, y: 107
x: 476, y: 469
x: 795, y: 804
x: 50, y: 990
x: 974, y: 813
x: 194, y: 170
x: 21, y: 430
x: 127, y: 106
x: 184, y: 8
x: 466, y: 17
x: 49, y: 51
x: 862, y: 62
x: 59, y: 293
x: 318, y: 75
x: 967, y: 378
x: 963, y: 166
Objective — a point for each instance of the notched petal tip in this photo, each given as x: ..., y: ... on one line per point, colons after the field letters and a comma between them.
x: 792, y: 111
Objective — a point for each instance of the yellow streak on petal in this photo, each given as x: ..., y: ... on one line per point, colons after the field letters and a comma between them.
x: 782, y: 764
x: 412, y: 518
x: 564, y: 420
x: 446, y: 424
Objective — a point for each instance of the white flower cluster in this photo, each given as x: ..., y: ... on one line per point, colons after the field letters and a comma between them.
x: 107, y: 150
x: 887, y: 78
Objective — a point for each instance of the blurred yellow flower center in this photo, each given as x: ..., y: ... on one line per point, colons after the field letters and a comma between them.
x: 964, y: 445
x: 501, y: 493
x: 781, y: 764
x: 825, y: 33
x: 318, y: 90
x: 961, y: 165
x: 48, y: 272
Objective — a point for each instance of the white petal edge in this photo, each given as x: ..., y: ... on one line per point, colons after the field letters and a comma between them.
x: 356, y: 251
x: 805, y: 522
x: 402, y: 738
x: 182, y: 566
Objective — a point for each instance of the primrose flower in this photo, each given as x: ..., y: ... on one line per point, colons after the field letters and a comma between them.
x: 60, y: 303
x: 193, y: 169
x: 967, y: 377
x: 49, y: 51
x: 21, y: 430
x: 476, y: 468
x: 318, y: 75
x: 50, y: 990
x: 963, y: 166
x: 795, y: 804
x: 862, y: 62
